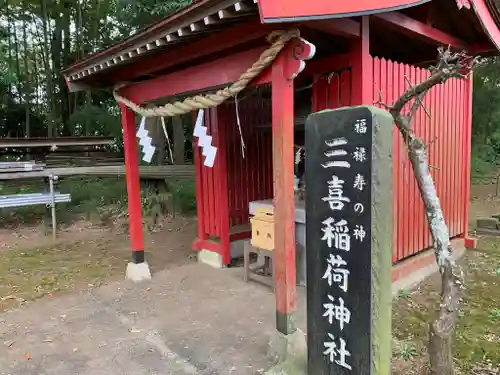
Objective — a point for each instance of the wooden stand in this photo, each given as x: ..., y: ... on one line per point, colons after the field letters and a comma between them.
x: 262, y: 273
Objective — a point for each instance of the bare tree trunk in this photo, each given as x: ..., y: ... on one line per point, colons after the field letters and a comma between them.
x: 47, y: 68
x: 178, y: 130
x: 9, y: 41
x: 442, y: 330
x: 26, y: 84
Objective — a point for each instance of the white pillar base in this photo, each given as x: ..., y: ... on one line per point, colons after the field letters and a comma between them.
x: 210, y: 258
x: 138, y: 272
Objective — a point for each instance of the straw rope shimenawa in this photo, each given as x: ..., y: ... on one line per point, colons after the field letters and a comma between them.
x: 279, y: 39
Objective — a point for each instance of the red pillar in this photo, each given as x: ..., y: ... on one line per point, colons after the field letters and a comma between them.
x: 362, y: 66
x: 284, y: 224
x: 133, y: 184
x: 219, y: 138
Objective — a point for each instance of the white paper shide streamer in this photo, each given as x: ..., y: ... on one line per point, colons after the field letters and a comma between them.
x: 204, y: 140
x: 145, y: 141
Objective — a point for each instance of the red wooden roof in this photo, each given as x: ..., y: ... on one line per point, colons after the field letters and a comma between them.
x: 286, y: 10
x: 477, y: 22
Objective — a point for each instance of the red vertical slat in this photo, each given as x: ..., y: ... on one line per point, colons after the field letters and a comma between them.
x: 406, y: 190
x: 418, y: 201
x: 423, y: 134
x: 454, y: 127
x: 320, y: 94
x: 206, y: 187
x: 458, y: 155
x: 345, y: 90
x: 461, y: 200
x: 413, y: 185
x: 440, y: 106
x: 199, y: 191
x: 212, y: 182
x: 333, y: 100
x: 401, y: 179
x: 448, y: 152
x: 431, y: 134
x: 450, y: 139
x: 390, y: 100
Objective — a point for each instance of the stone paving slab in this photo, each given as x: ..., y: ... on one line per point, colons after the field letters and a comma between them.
x: 189, y: 320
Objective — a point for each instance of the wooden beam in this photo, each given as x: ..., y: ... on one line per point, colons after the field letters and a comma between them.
x: 487, y: 21
x: 362, y: 67
x: 328, y: 64
x: 410, y: 26
x: 212, y: 74
x: 342, y: 26
x: 284, y: 224
x: 215, y: 43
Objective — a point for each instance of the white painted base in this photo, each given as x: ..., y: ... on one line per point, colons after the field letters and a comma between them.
x: 210, y: 258
x: 283, y: 347
x: 138, y: 272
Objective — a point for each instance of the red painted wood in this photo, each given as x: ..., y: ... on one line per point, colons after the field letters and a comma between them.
x: 200, y: 196
x: 362, y: 70
x: 463, y: 162
x: 276, y: 10
x: 283, y: 167
x: 328, y: 64
x: 233, y: 37
x: 320, y: 93
x: 132, y: 177
x: 487, y: 21
x: 207, y: 245
x: 345, y: 27
x: 467, y: 149
x: 195, y: 78
x: 222, y: 208
x: 416, y: 28
x: 443, y: 135
x: 456, y: 158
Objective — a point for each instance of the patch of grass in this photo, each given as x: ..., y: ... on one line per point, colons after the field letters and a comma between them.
x: 184, y: 195
x: 478, y: 332
x: 405, y: 351
x: 30, y: 274
x: 495, y: 313
x: 404, y: 294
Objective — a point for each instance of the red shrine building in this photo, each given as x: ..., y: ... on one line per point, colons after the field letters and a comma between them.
x: 348, y: 53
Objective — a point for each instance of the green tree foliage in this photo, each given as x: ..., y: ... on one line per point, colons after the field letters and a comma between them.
x: 38, y: 38
x: 486, y: 117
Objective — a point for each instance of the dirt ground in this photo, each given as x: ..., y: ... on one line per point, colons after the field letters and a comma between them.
x: 484, y: 202
x: 84, y: 256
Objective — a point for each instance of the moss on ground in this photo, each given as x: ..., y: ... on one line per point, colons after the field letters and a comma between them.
x: 478, y: 332
x: 30, y: 274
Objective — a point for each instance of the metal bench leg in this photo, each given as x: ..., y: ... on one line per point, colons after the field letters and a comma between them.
x: 53, y: 207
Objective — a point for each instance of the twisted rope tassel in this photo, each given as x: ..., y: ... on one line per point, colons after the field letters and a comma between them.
x: 279, y: 39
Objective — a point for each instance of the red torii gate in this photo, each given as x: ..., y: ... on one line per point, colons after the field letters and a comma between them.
x: 210, y: 43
